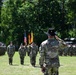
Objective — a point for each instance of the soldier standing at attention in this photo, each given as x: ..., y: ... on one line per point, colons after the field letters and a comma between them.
x: 22, y: 52
x: 49, y: 59
x: 33, y: 50
x: 10, y: 52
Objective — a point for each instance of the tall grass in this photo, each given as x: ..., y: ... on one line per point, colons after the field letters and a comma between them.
x: 68, y: 66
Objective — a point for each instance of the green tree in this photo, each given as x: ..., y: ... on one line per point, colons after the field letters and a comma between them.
x: 8, y: 16
x: 37, y: 15
x: 72, y: 17
x: 0, y: 9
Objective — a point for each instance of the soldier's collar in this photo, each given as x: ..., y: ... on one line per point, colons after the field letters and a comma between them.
x: 51, y: 38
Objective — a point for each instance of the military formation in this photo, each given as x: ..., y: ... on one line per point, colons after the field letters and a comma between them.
x: 31, y: 50
x: 49, y: 52
x: 69, y: 51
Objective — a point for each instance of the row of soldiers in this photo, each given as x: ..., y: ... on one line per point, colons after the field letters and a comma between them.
x: 31, y: 49
x: 69, y: 51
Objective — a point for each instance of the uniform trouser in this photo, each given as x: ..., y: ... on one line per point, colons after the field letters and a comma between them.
x: 51, y: 71
x: 33, y: 60
x: 22, y: 60
x: 10, y: 60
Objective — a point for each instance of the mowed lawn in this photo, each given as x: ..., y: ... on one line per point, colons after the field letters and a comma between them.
x: 68, y: 66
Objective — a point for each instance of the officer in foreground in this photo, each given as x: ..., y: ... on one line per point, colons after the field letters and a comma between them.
x: 22, y: 52
x: 33, y: 50
x: 10, y: 52
x: 49, y: 59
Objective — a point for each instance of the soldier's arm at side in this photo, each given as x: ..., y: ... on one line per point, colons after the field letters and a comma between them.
x: 7, y: 50
x: 19, y: 50
x: 14, y: 49
x: 28, y: 50
x: 36, y: 50
x: 42, y: 55
x: 25, y: 50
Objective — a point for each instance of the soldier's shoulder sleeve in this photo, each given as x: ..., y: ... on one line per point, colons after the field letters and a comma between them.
x: 7, y: 47
x: 42, y: 52
x: 42, y: 47
x: 14, y: 48
x: 43, y: 43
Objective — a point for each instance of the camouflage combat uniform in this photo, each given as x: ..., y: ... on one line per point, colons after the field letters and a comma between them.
x: 22, y: 52
x: 33, y: 49
x: 49, y: 55
x: 28, y: 49
x: 10, y: 52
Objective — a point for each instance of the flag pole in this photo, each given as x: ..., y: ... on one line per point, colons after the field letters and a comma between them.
x: 25, y: 38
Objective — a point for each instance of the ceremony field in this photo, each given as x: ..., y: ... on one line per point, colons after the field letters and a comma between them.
x: 68, y: 66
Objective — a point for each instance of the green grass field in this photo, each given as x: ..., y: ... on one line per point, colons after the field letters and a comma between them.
x: 68, y: 66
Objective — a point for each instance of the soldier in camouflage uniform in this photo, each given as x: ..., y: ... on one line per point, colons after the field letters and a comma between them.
x: 22, y: 52
x: 10, y: 52
x: 49, y: 59
x: 33, y: 50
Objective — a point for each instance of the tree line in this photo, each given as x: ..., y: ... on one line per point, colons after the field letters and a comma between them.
x: 17, y: 16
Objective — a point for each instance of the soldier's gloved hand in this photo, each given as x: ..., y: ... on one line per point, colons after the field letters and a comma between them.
x: 43, y: 69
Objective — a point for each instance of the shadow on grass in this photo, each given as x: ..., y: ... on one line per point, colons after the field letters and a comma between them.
x: 37, y: 66
x: 25, y: 64
x: 14, y: 65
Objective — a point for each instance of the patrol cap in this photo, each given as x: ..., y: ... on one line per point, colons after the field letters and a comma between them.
x: 51, y: 32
